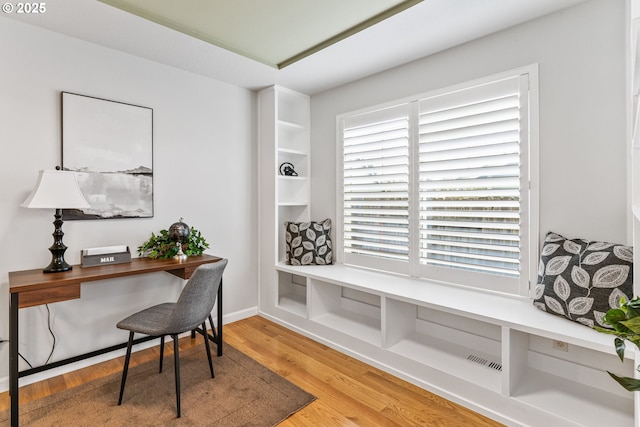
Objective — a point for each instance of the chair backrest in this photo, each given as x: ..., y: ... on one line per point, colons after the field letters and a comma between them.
x: 197, y: 298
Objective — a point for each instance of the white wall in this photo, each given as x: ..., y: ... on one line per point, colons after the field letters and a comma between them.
x: 204, y: 162
x: 583, y: 113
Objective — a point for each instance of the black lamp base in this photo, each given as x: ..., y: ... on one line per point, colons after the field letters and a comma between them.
x: 57, y: 267
x: 57, y: 264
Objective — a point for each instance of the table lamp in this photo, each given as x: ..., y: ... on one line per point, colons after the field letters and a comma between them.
x: 56, y: 189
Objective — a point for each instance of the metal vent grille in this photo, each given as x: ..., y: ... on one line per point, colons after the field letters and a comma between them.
x: 484, y: 362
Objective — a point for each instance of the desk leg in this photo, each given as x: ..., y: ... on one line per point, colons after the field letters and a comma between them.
x: 13, y: 358
x: 217, y: 331
x: 219, y: 343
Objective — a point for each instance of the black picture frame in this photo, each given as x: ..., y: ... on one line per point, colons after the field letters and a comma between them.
x: 109, y: 145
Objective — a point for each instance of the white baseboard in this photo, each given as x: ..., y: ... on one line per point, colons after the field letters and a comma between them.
x: 4, y: 381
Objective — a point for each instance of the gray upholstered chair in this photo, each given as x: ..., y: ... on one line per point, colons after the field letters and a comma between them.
x: 190, y: 312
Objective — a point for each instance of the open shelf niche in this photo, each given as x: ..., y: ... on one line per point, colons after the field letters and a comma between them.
x: 292, y: 293
x: 466, y: 348
x: 349, y: 311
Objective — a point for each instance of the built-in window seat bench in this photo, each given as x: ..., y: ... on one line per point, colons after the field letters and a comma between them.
x: 496, y: 354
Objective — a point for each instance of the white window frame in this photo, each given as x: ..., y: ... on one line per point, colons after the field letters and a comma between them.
x: 529, y: 163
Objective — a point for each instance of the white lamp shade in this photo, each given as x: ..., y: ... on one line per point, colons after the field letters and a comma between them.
x: 56, y: 189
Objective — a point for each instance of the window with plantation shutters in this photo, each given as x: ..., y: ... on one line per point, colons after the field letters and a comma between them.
x: 376, y: 185
x: 469, y: 179
x: 440, y: 186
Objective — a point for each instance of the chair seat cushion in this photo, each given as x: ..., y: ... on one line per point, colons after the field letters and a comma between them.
x: 150, y: 321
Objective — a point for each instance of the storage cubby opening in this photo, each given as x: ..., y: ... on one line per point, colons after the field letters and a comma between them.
x: 293, y: 191
x: 570, y: 381
x: 293, y: 107
x: 293, y: 137
x: 299, y: 162
x: 579, y: 365
x: 466, y: 348
x: 357, y: 314
x: 292, y: 293
x: 574, y: 401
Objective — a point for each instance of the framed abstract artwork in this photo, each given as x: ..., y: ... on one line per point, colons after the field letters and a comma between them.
x: 110, y: 147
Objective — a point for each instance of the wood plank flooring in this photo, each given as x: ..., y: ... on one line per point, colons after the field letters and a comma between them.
x: 349, y: 393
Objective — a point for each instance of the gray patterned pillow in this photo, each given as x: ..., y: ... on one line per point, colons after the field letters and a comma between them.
x: 580, y: 279
x: 308, y: 243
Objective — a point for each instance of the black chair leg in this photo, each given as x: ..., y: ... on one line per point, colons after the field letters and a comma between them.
x: 161, y: 352
x: 126, y: 367
x: 176, y: 357
x: 206, y: 345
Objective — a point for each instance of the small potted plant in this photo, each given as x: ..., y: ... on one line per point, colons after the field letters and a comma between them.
x: 625, y: 322
x: 163, y: 245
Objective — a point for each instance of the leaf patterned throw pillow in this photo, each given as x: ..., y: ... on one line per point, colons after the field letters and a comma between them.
x: 308, y: 243
x: 580, y: 279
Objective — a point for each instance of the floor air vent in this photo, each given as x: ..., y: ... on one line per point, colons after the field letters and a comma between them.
x: 484, y: 362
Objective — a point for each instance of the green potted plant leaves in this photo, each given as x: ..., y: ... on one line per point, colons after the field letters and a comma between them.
x: 162, y: 246
x: 625, y: 322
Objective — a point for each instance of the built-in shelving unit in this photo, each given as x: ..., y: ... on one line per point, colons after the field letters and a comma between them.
x: 284, y: 120
x: 496, y: 354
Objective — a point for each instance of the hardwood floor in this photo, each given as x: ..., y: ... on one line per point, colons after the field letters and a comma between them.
x: 349, y: 393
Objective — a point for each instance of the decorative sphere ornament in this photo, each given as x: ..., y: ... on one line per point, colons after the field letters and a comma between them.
x: 179, y: 232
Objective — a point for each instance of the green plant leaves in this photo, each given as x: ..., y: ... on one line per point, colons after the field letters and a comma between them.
x: 162, y: 246
x: 625, y: 322
x: 620, y: 347
x: 631, y: 384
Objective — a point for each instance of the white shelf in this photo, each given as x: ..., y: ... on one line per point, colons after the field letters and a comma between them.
x: 294, y: 203
x: 353, y: 324
x: 573, y: 401
x: 460, y: 361
x: 291, y: 125
x: 292, y: 178
x: 292, y: 152
x: 293, y: 304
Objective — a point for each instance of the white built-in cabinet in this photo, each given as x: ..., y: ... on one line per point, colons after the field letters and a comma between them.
x: 497, y: 355
x: 284, y: 126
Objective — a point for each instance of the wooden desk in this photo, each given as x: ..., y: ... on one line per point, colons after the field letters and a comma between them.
x: 31, y: 288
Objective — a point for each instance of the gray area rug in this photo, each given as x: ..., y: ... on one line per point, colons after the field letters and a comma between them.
x: 243, y: 393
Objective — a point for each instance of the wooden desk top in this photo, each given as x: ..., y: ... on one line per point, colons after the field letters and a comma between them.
x: 34, y: 280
